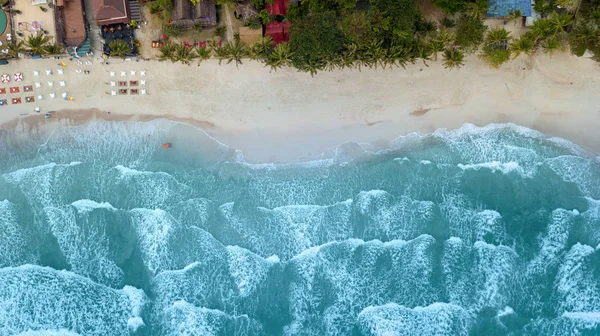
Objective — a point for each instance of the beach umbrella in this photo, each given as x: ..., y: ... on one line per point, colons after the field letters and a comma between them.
x: 36, y: 73
x: 143, y: 73
x: 61, y: 71
x: 18, y: 77
x: 5, y: 78
x: 52, y: 95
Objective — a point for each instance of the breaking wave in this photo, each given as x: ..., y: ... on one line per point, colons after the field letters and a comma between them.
x: 476, y: 231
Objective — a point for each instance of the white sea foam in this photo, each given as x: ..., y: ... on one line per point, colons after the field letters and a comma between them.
x: 588, y: 317
x: 575, y: 286
x: 84, y: 206
x: 82, y: 238
x: 393, y: 319
x: 503, y: 167
x: 60, y: 332
x: 33, y: 298
x: 248, y: 270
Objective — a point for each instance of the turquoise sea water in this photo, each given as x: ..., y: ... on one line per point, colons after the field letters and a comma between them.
x: 478, y: 231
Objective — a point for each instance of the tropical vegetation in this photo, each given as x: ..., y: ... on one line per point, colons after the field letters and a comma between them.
x: 331, y: 34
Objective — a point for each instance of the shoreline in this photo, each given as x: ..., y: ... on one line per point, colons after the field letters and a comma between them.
x: 285, y: 115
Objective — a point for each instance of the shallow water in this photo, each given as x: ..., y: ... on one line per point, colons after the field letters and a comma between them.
x: 478, y: 231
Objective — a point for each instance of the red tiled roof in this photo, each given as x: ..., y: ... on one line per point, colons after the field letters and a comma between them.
x: 74, y: 23
x: 111, y: 11
x: 279, y: 31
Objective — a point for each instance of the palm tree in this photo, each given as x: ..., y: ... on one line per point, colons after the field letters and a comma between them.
x: 261, y: 48
x: 375, y: 53
x: 167, y: 52
x: 37, y: 43
x: 54, y: 49
x: 15, y: 48
x: 203, y: 54
x: 183, y: 54
x: 435, y: 46
x: 234, y: 52
x: 453, y: 58
x: 280, y: 57
x: 118, y: 48
x: 560, y: 21
x: 497, y: 37
x: 542, y: 28
x: 552, y: 44
x: 524, y: 44
x: 477, y: 9
x: 586, y: 34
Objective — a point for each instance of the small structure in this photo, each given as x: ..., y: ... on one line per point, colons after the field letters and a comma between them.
x: 187, y: 15
x: 109, y: 12
x: 73, y: 22
x: 279, y: 31
x: 249, y: 36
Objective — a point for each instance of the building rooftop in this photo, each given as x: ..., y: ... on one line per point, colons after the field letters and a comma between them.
x: 73, y: 22
x: 185, y: 14
x: 111, y: 11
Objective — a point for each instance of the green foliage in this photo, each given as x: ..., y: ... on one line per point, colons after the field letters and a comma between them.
x: 194, y: 2
x: 560, y: 22
x: 295, y: 13
x: 253, y: 22
x: 525, y: 44
x: 552, y: 44
x: 37, y: 43
x: 315, y: 39
x: 220, y: 31
x: 260, y: 4
x: 261, y: 48
x: 172, y: 30
x: 494, y: 56
x: 15, y: 48
x: 233, y: 51
x: 265, y: 17
x: 203, y: 54
x: 448, y: 22
x: 167, y: 52
x: 453, y: 58
x: 585, y: 35
x: 280, y: 57
x: 469, y: 33
x: 451, y: 6
x: 394, y: 19
x: 155, y: 8
x: 54, y: 49
x: 198, y: 28
x: 166, y: 5
x: 183, y: 54
x: 477, y: 9
x: 134, y: 24
x: 118, y: 48
x: 357, y: 28
x: 541, y: 29
x: 497, y: 37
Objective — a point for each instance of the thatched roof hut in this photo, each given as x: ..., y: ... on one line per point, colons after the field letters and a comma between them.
x: 187, y: 15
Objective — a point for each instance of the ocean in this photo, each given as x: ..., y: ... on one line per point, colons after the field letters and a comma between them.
x: 478, y: 231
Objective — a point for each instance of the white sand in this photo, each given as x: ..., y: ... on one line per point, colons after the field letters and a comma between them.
x: 277, y: 116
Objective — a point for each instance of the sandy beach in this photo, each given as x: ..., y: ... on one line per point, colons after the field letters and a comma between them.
x: 283, y: 115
